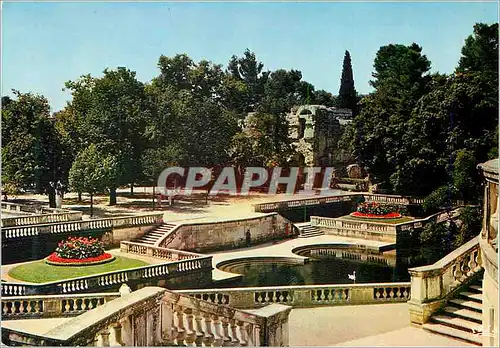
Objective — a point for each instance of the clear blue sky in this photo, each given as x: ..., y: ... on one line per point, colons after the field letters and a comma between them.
x: 46, y: 44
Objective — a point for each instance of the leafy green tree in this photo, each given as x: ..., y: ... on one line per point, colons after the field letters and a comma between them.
x: 376, y: 137
x: 32, y: 155
x: 347, y: 93
x: 93, y: 172
x: 248, y: 70
x: 321, y: 97
x: 114, y: 111
x: 480, y: 52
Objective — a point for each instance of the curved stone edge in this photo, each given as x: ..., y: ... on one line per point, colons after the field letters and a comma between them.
x: 76, y: 264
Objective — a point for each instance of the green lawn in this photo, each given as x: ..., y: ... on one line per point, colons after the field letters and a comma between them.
x: 384, y: 221
x: 40, y: 272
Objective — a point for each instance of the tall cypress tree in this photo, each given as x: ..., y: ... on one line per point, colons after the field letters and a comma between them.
x: 347, y: 93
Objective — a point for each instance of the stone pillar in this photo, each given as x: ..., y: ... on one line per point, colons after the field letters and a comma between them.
x: 274, y: 333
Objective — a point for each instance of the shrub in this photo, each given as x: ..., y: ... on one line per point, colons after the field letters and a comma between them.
x: 79, y: 248
x: 374, y: 208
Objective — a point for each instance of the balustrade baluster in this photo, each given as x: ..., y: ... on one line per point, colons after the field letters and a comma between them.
x: 218, y: 337
x: 105, y: 337
x: 235, y: 341
x: 200, y: 334
x: 225, y: 331
x: 181, y: 332
x: 243, y: 334
x: 209, y: 337
x: 117, y: 335
x: 190, y: 333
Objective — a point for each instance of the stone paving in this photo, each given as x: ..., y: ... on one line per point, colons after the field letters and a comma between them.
x: 364, y: 325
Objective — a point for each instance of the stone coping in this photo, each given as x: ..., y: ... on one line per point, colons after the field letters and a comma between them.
x: 449, y: 259
x: 296, y: 287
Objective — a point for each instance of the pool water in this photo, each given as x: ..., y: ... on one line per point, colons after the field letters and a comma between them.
x: 326, y: 271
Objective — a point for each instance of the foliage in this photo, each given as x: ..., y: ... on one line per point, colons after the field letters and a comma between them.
x: 347, y: 93
x: 93, y: 171
x: 374, y: 208
x: 79, y: 248
x: 470, y: 219
x: 32, y: 154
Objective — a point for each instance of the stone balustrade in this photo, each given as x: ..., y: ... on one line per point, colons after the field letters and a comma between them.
x: 107, y: 280
x: 305, y: 295
x: 431, y: 285
x: 23, y: 208
x: 275, y: 206
x: 157, y: 252
x: 41, y: 219
x: 86, y: 225
x: 50, y: 306
x: 391, y: 199
x: 377, y: 230
x: 154, y: 316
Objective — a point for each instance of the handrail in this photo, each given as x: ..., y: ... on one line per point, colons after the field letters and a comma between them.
x: 46, y: 306
x: 305, y: 295
x: 36, y: 219
x: 75, y: 226
x: 155, y: 308
x: 107, y: 279
x: 157, y: 252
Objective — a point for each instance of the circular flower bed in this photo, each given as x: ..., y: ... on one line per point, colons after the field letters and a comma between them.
x: 372, y: 216
x: 373, y: 210
x: 79, y: 251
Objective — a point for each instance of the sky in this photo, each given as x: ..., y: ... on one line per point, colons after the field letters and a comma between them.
x: 46, y: 44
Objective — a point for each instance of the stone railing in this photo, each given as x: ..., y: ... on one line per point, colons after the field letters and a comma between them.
x: 154, y: 316
x: 101, y: 281
x: 157, y: 252
x: 274, y: 206
x: 86, y: 225
x: 378, y: 229
x: 392, y: 199
x: 432, y: 284
x: 305, y: 295
x: 50, y: 306
x: 42, y: 219
x: 23, y: 208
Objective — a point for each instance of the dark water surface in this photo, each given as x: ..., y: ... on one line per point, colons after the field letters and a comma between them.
x: 331, y: 271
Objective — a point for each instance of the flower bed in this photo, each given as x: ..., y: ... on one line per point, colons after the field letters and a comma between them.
x: 55, y: 260
x: 79, y: 251
x: 373, y: 210
x: 373, y: 216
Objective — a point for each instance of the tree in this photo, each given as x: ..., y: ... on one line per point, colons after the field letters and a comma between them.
x: 321, y: 97
x: 377, y: 135
x: 347, y: 93
x: 32, y: 155
x: 155, y: 160
x: 114, y: 111
x: 249, y: 71
x: 480, y: 52
x: 93, y: 172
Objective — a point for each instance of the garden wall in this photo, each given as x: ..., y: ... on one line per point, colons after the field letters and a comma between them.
x: 221, y: 235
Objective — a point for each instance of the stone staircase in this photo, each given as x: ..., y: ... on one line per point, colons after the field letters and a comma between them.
x: 461, y: 318
x: 153, y: 236
x: 306, y: 230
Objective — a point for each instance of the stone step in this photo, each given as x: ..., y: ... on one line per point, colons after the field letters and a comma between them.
x: 461, y: 303
x: 452, y: 332
x: 476, y: 288
x: 457, y: 323
x: 144, y: 242
x: 471, y: 296
x: 464, y: 313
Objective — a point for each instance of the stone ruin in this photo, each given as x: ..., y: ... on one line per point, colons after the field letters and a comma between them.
x: 315, y: 130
